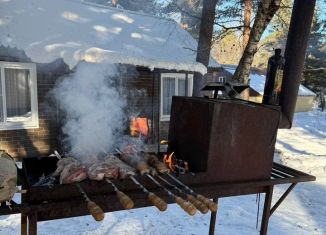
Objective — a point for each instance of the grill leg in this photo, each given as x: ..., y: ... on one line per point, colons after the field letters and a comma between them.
x: 23, y: 224
x: 213, y: 220
x: 267, y: 210
x: 32, y: 224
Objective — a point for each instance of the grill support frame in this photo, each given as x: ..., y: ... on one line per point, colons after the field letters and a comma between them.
x: 31, y: 213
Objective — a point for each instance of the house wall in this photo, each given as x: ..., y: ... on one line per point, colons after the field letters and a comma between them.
x: 140, y: 86
x: 43, y: 140
x: 143, y: 86
x: 304, y: 103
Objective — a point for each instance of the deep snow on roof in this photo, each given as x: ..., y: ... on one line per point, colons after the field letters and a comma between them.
x: 75, y: 30
x: 257, y: 82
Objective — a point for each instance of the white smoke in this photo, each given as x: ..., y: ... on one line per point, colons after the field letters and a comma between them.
x: 93, y: 108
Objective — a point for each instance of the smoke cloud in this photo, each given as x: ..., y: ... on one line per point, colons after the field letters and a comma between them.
x: 93, y: 107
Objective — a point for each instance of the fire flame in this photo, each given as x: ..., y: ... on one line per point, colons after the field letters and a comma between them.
x: 176, y: 165
x: 168, y: 160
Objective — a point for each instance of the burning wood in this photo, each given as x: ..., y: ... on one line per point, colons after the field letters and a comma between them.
x: 176, y: 165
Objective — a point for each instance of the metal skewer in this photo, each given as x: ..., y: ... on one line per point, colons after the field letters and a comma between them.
x: 153, y: 198
x: 202, y: 207
x: 93, y: 208
x: 211, y: 205
x: 125, y: 201
x: 186, y: 206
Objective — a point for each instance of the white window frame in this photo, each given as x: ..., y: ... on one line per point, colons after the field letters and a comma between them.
x: 33, y: 123
x: 176, y: 76
x: 221, y: 79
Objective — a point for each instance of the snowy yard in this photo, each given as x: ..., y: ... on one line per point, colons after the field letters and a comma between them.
x: 303, y: 212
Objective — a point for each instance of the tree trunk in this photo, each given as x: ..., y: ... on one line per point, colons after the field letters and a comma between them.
x: 265, y: 12
x: 246, y: 22
x: 245, y: 35
x: 204, y: 41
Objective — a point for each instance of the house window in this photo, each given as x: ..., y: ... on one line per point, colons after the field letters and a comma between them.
x: 221, y: 79
x: 18, y: 96
x: 173, y: 84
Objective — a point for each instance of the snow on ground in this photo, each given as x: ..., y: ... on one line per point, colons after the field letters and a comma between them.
x: 303, y: 212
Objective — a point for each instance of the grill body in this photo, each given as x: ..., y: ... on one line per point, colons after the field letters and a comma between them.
x: 227, y: 140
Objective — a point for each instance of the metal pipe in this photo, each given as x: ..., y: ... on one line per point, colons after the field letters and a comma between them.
x: 295, y: 51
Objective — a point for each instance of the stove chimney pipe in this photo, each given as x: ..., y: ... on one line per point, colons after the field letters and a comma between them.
x: 295, y: 51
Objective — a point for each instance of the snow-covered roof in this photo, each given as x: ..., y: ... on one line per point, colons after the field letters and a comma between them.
x: 257, y: 82
x: 75, y: 30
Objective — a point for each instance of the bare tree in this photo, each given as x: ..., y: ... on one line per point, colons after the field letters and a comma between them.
x: 265, y: 12
x: 248, y: 4
x: 204, y: 41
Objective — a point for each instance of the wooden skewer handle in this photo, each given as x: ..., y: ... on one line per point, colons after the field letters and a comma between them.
x: 211, y: 205
x: 186, y: 206
x: 198, y: 204
x: 95, y: 211
x: 157, y: 201
x: 125, y: 201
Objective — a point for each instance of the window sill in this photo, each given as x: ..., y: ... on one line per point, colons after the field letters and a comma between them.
x: 165, y: 118
x: 18, y: 127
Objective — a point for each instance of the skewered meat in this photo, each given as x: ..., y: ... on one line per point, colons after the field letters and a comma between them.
x: 124, y: 170
x: 101, y: 170
x: 70, y: 170
x: 73, y: 172
x: 153, y: 161
x: 131, y: 157
x: 62, y: 163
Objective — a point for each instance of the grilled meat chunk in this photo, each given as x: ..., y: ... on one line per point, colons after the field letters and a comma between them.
x: 62, y: 163
x: 70, y: 170
x: 73, y: 172
x: 101, y: 170
x: 124, y: 170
